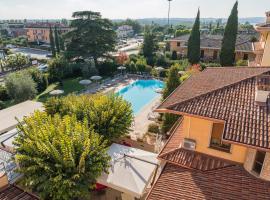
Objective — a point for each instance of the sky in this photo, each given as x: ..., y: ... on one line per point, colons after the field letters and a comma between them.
x: 122, y: 9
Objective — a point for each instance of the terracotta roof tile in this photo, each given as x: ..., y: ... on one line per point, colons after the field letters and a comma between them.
x: 195, y: 160
x: 229, y: 95
x: 209, y: 80
x: 232, y: 183
x: 13, y: 192
x: 243, y: 42
x: 175, y: 139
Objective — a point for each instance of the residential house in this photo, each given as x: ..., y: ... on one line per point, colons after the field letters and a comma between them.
x: 262, y: 47
x: 40, y: 32
x: 211, y: 46
x: 124, y: 31
x: 220, y: 146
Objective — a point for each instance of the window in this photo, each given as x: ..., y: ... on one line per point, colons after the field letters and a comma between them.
x: 245, y: 56
x: 202, y: 53
x: 215, y: 55
x: 178, y: 44
x: 258, y: 162
x: 216, y: 138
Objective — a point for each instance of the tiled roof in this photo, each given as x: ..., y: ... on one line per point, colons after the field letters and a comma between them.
x: 209, y: 80
x: 228, y: 95
x: 231, y: 182
x: 195, y: 160
x: 13, y: 192
x: 175, y: 139
x: 243, y: 42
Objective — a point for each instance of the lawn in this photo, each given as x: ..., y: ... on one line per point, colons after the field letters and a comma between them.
x: 69, y: 86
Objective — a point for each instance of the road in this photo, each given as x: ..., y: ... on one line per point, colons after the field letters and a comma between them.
x: 33, y: 53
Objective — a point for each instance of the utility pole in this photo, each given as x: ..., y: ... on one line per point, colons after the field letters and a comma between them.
x: 169, y: 10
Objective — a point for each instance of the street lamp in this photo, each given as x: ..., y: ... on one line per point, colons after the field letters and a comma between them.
x: 169, y: 10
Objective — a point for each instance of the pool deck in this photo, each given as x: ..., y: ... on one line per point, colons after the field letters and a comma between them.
x: 141, y: 120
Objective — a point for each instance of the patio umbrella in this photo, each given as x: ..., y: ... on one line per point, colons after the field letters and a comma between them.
x: 131, y: 170
x: 121, y: 68
x: 96, y: 78
x: 159, y: 68
x: 56, y: 92
x: 85, y: 82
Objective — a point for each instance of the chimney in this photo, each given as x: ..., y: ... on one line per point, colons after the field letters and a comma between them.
x: 3, y: 179
x: 262, y: 89
x: 267, y: 17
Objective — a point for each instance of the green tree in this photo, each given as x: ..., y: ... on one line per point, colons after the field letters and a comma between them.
x: 16, y: 61
x: 57, y: 68
x: 20, y: 86
x: 194, y: 42
x: 172, y: 82
x: 40, y: 78
x: 141, y: 64
x: 52, y: 43
x: 91, y: 36
x: 57, y: 40
x: 150, y: 46
x: 110, y: 116
x: 60, y: 158
x: 229, y: 39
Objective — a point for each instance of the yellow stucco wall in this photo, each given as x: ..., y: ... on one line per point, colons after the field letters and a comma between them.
x: 266, y: 54
x: 200, y: 130
x: 208, y: 53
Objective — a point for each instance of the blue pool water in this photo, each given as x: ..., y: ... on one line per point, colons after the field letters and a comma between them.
x: 140, y: 93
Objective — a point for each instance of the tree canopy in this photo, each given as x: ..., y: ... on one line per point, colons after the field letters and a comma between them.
x: 110, y: 116
x: 172, y: 82
x: 150, y: 46
x: 227, y: 53
x: 20, y: 86
x: 60, y: 157
x: 194, y: 42
x: 91, y: 36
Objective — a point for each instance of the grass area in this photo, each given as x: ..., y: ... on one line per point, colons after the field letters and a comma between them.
x: 69, y: 86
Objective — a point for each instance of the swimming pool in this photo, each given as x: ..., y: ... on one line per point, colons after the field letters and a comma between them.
x: 141, y: 93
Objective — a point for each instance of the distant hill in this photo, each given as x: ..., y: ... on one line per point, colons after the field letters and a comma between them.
x: 189, y: 21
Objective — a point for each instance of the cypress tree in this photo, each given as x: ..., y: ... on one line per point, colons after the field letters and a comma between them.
x: 52, y: 42
x: 57, y: 42
x: 194, y: 42
x: 229, y: 39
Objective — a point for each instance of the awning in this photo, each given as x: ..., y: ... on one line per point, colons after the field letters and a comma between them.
x: 131, y: 170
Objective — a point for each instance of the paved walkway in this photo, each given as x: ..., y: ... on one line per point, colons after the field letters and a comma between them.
x: 141, y: 119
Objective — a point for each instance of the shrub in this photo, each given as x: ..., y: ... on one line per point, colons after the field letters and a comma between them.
x: 168, y: 122
x: 242, y: 63
x: 107, y: 68
x: 3, y: 93
x: 141, y: 64
x: 58, y: 67
x: 110, y: 116
x: 2, y: 105
x: 131, y: 67
x: 40, y: 79
x: 184, y: 77
x: 20, y: 86
x: 148, y: 69
x: 153, y: 128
